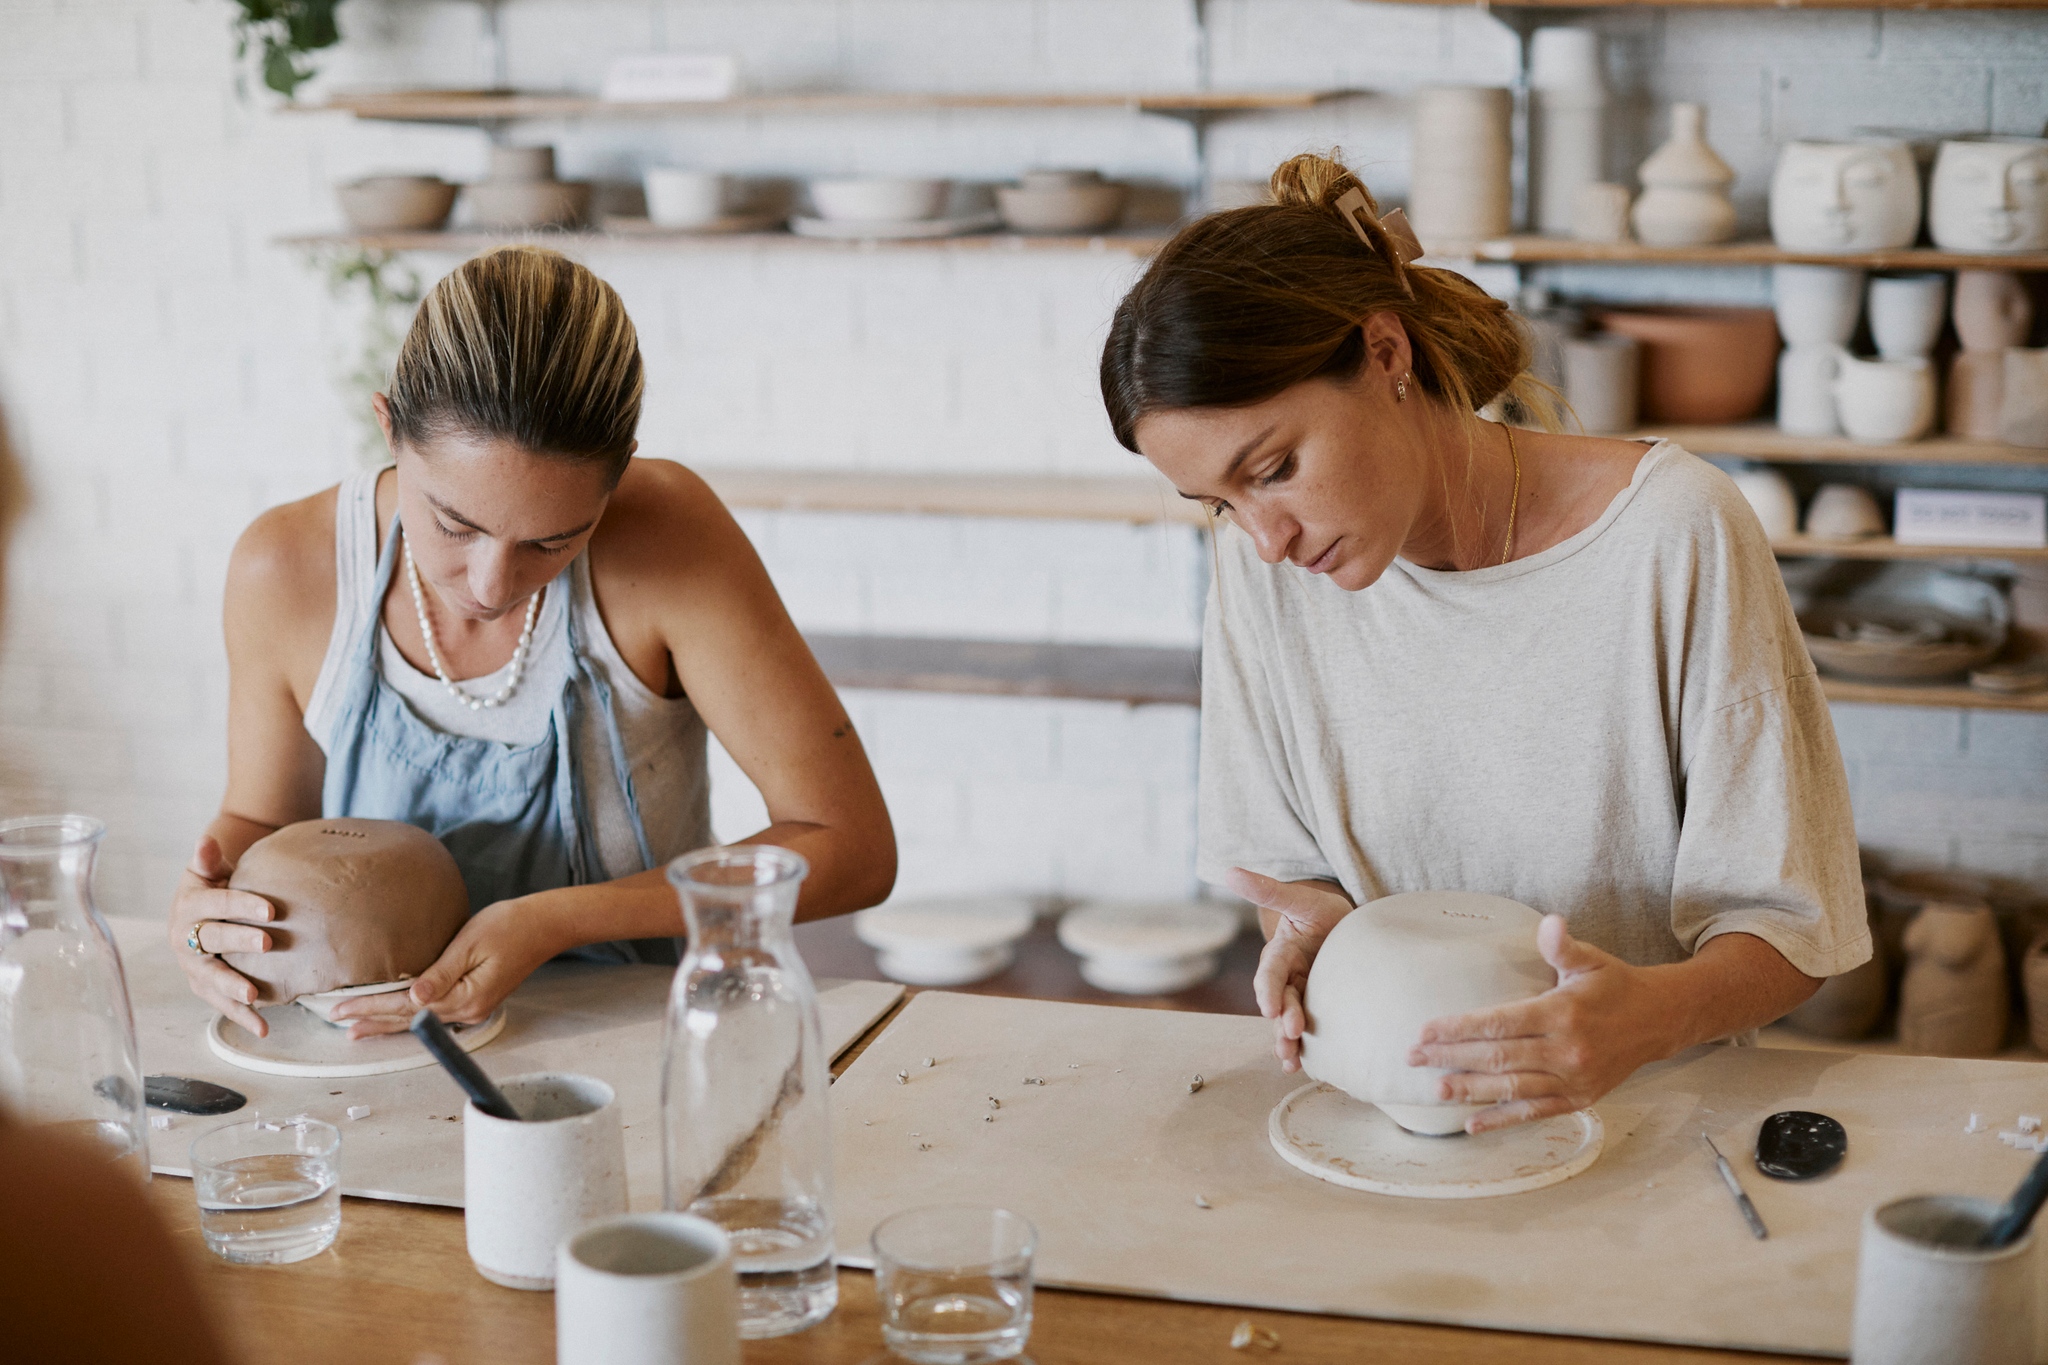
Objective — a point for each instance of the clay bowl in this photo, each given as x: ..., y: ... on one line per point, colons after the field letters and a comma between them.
x: 1062, y: 208
x: 1896, y: 622
x: 396, y: 203
x: 511, y: 205
x: 880, y: 199
x: 1701, y: 366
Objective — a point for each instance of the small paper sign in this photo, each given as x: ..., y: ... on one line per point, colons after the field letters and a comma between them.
x: 2002, y: 521
x: 661, y: 77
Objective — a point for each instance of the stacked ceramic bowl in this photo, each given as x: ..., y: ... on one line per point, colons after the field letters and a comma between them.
x: 885, y: 207
x: 396, y: 203
x: 522, y: 193
x: 1062, y: 201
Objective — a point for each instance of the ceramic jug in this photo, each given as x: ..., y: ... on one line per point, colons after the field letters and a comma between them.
x: 1685, y: 187
x: 1885, y: 401
x: 1845, y: 196
x: 1990, y: 194
x: 1906, y: 313
x: 1817, y: 305
x: 2023, y: 406
x: 1806, y: 390
x: 1459, y: 187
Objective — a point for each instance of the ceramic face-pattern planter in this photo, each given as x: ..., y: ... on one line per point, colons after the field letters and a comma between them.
x: 1992, y: 310
x: 1990, y: 194
x: 1845, y: 196
x: 1393, y: 965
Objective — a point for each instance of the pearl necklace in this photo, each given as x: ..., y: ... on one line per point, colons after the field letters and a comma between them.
x: 519, y: 651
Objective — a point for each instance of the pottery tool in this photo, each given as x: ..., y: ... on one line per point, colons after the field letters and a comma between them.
x: 184, y: 1095
x: 481, y: 1090
x: 2013, y: 1220
x: 1749, y: 1213
x: 1797, y: 1145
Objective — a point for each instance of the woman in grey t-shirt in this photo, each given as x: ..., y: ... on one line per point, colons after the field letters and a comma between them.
x: 1443, y: 653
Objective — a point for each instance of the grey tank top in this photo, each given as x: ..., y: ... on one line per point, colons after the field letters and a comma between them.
x: 664, y: 737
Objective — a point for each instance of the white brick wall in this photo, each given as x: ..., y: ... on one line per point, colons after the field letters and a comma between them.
x: 167, y: 372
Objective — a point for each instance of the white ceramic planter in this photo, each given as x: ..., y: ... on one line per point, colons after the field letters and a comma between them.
x: 1990, y: 194
x: 1600, y: 212
x: 1816, y: 305
x: 1567, y: 129
x: 528, y: 1184
x: 647, y: 1289
x: 1685, y: 187
x: 1906, y: 313
x: 1845, y: 196
x: 1885, y: 401
x: 880, y: 199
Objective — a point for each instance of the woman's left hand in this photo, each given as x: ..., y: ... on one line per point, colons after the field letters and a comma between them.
x: 496, y: 950
x: 1555, y: 1052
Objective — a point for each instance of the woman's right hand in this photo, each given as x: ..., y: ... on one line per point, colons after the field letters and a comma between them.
x: 1303, y: 913
x: 225, y: 922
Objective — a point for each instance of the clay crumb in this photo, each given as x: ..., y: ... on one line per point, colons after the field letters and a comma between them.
x: 903, y: 1078
x: 1245, y: 1336
x: 359, y: 1111
x: 867, y: 1123
x: 334, y: 1092
x: 1034, y: 1080
x: 924, y: 1146
x: 1202, y: 1202
x: 1976, y: 1124
x: 1196, y: 1084
x: 988, y: 1118
x: 160, y: 1121
x: 2012, y: 1139
x: 994, y: 1103
x: 930, y: 1062
x: 1073, y: 1066
x: 2030, y: 1123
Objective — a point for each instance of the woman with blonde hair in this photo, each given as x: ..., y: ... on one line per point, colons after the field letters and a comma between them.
x: 1445, y: 653
x: 516, y: 637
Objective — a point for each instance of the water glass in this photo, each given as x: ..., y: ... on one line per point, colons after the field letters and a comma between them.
x: 954, y: 1283
x: 269, y: 1190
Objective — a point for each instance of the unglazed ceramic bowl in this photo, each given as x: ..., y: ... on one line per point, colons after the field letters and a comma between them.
x: 396, y: 203
x: 1703, y: 366
x: 510, y: 205
x: 1896, y: 622
x: 1064, y: 208
x: 1394, y: 964
x: 880, y: 198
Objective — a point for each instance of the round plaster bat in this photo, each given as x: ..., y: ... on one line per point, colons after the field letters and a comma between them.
x: 1990, y: 194
x: 359, y: 902
x: 1845, y: 196
x: 1148, y: 947
x: 944, y: 942
x: 1394, y: 964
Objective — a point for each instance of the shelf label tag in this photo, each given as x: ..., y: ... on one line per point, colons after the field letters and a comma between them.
x: 1938, y: 516
x: 664, y: 77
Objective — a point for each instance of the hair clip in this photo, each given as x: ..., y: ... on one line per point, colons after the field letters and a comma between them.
x: 1401, y: 242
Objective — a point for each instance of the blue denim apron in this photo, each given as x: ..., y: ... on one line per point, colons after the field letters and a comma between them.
x: 514, y: 817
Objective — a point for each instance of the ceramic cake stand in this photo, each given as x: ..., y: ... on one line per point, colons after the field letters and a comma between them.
x: 301, y: 1043
x: 1323, y: 1131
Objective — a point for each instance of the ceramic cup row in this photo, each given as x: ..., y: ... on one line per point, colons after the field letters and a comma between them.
x: 1819, y: 305
x: 1987, y: 194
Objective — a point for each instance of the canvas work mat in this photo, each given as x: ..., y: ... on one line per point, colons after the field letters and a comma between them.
x: 602, y: 1021
x: 1109, y: 1155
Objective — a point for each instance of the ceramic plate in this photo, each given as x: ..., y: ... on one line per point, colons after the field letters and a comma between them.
x: 1323, y: 1131
x: 627, y: 225
x: 851, y: 230
x: 303, y: 1044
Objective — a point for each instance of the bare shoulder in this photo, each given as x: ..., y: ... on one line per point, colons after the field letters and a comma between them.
x: 663, y: 522
x: 280, y: 584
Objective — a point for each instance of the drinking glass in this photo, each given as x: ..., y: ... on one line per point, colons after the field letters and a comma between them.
x: 954, y: 1283
x: 269, y: 1190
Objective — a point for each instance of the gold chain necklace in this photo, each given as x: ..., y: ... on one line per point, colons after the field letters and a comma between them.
x: 1514, y: 501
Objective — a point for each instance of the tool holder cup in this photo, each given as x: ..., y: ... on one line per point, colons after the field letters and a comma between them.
x: 1926, y: 1293
x: 529, y: 1182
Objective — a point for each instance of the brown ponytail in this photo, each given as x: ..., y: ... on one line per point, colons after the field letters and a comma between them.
x: 1243, y: 304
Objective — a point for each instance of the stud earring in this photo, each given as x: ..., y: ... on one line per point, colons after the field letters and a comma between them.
x: 1401, y: 389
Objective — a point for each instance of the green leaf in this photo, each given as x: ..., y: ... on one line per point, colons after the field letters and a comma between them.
x: 280, y: 72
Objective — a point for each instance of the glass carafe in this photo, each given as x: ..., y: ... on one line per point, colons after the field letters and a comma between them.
x: 67, y: 1036
x: 746, y: 1140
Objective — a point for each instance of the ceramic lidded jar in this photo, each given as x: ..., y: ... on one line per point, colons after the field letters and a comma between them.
x: 1845, y: 196
x: 1990, y: 194
x: 1394, y: 964
x: 1685, y: 187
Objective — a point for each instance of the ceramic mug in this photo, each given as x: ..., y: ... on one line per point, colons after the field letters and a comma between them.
x: 1926, y: 1295
x: 1990, y: 194
x: 1906, y: 313
x: 683, y: 199
x: 1817, y: 305
x: 530, y: 1182
x: 1602, y: 381
x: 1845, y: 196
x: 1806, y: 390
x: 647, y: 1289
x: 1885, y: 401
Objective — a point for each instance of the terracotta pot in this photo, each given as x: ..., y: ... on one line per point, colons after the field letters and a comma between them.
x: 1701, y: 365
x: 1953, y: 1001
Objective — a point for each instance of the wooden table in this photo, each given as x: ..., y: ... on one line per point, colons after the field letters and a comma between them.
x: 398, y: 1287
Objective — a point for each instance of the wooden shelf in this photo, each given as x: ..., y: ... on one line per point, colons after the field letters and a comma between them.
x: 1884, y: 547
x: 1739, y: 4
x: 467, y: 242
x: 1943, y: 694
x: 486, y: 106
x: 1762, y: 441
x: 1535, y: 250
x: 1138, y: 500
x: 1138, y: 675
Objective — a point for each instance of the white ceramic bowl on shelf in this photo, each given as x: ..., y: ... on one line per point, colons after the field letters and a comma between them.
x: 396, y: 203
x: 1148, y: 947
x: 1062, y: 208
x: 880, y: 198
x: 944, y: 942
x: 514, y: 205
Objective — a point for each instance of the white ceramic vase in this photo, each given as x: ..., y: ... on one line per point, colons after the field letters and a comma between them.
x: 1885, y: 401
x: 1603, y: 382
x: 1685, y: 187
x: 1770, y: 496
x: 1906, y: 313
x: 1567, y: 127
x: 1990, y: 194
x: 1459, y: 186
x: 1845, y: 196
x: 1806, y: 390
x: 1817, y: 305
